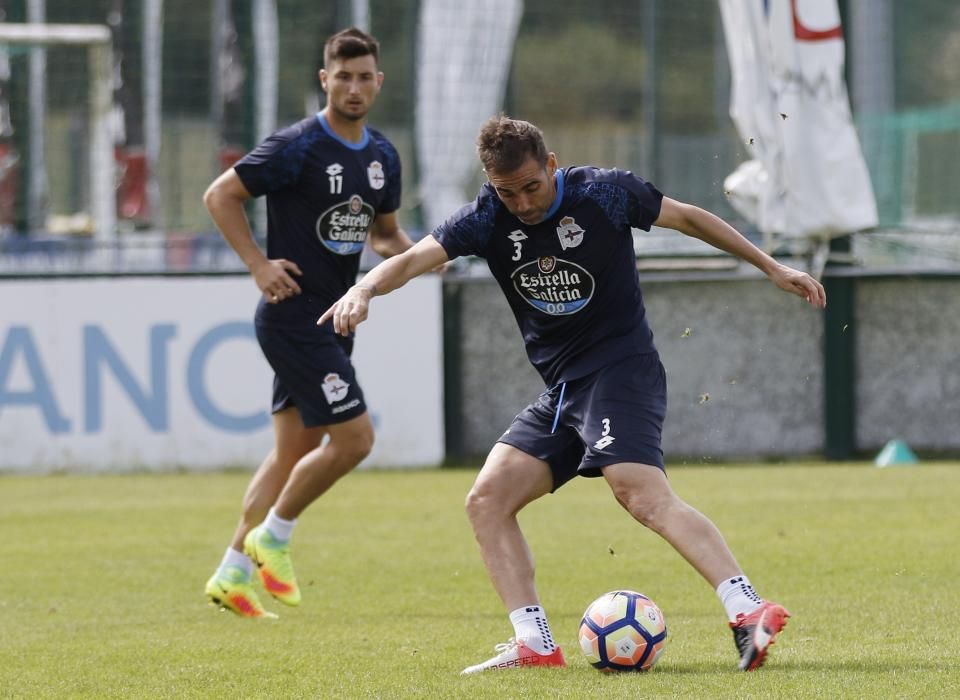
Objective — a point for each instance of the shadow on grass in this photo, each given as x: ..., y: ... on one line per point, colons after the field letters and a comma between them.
x: 698, y: 668
x: 877, y: 666
x: 853, y: 666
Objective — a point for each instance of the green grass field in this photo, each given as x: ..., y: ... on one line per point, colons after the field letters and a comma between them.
x: 101, y: 593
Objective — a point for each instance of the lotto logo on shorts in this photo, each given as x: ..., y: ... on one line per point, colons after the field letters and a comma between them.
x: 334, y: 388
x: 603, y: 442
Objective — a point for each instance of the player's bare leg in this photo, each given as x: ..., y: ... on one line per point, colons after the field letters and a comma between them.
x: 509, y: 480
x: 647, y: 495
x: 318, y: 470
x: 293, y: 441
x: 645, y: 492
x: 231, y: 586
x: 312, y: 475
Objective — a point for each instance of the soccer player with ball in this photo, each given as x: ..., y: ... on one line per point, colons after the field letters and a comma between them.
x: 558, y: 241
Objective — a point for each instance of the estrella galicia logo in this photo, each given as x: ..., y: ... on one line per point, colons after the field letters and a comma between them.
x: 554, y: 286
x: 343, y: 227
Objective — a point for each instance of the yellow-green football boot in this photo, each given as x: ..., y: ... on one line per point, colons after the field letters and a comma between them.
x: 230, y: 588
x: 272, y: 557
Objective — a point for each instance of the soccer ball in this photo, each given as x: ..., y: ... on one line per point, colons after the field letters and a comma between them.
x: 622, y: 631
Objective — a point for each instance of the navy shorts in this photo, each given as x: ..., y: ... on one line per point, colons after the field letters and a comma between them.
x: 611, y: 416
x: 312, y: 371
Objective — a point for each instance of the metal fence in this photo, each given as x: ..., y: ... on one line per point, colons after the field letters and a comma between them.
x: 642, y: 84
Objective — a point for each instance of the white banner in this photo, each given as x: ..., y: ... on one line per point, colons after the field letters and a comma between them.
x: 128, y: 373
x: 463, y: 62
x: 789, y: 102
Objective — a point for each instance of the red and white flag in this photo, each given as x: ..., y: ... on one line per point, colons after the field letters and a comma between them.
x: 789, y: 101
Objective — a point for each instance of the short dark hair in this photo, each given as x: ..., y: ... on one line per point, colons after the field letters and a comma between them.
x: 504, y: 144
x: 350, y: 43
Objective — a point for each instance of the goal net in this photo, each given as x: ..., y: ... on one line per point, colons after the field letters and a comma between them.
x: 57, y: 172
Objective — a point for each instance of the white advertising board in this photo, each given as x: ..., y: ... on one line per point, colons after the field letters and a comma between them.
x: 116, y: 374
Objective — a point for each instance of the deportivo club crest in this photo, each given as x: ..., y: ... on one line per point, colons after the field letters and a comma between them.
x: 334, y: 388
x: 571, y: 235
x: 375, y: 175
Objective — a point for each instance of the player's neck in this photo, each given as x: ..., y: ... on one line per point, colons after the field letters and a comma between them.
x: 346, y: 129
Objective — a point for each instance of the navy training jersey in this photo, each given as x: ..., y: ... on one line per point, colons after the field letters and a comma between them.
x: 323, y: 194
x: 571, y: 280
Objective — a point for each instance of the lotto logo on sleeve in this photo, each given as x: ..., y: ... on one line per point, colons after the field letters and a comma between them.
x: 554, y: 286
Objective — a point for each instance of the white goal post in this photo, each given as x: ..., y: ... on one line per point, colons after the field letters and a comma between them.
x: 97, y: 39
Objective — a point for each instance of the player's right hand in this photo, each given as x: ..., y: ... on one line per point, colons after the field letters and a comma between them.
x: 349, y: 311
x: 274, y: 281
x: 801, y: 284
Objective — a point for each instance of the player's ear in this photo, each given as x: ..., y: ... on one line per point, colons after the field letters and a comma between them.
x: 323, y: 79
x: 552, y: 163
x: 379, y: 79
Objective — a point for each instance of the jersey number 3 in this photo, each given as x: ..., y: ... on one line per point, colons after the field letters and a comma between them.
x: 517, y: 237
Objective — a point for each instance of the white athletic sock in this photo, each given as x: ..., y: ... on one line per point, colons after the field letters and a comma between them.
x: 281, y: 529
x: 530, y: 626
x: 738, y: 596
x: 238, y: 559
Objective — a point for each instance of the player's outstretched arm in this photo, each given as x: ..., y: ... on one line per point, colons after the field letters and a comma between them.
x: 710, y: 228
x: 351, y: 309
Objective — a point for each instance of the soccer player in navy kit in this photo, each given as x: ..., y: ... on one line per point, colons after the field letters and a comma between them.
x: 559, y: 244
x: 331, y: 184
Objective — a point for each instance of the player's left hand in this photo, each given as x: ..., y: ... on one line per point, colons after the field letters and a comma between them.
x: 801, y: 284
x: 349, y: 311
